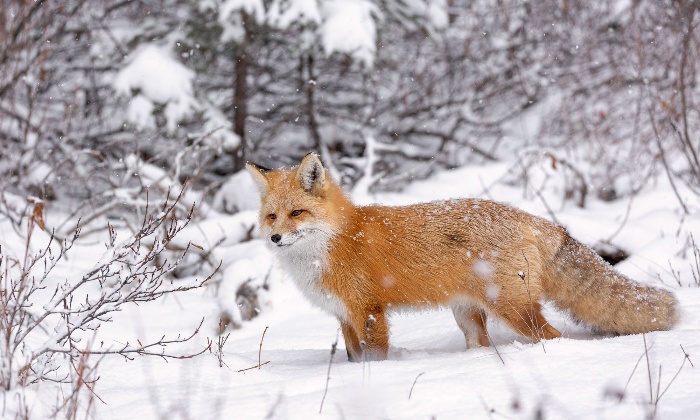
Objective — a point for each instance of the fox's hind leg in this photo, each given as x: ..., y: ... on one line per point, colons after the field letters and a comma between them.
x: 471, y: 319
x: 517, y: 300
x: 527, y: 319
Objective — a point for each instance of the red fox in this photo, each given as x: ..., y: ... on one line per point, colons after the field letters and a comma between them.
x: 475, y: 256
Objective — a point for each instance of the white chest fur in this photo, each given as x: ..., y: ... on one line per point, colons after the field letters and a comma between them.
x: 304, y: 263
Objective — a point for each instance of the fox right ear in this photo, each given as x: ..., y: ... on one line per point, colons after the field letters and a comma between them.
x: 311, y: 175
x: 259, y: 176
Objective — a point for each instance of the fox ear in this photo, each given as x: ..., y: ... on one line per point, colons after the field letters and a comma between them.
x: 259, y: 174
x: 311, y: 175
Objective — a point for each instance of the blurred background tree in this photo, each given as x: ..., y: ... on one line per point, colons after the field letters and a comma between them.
x: 384, y: 90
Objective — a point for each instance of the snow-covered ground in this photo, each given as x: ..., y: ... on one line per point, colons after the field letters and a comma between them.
x: 429, y: 374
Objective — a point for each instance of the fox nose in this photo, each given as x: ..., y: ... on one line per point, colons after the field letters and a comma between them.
x: 276, y: 237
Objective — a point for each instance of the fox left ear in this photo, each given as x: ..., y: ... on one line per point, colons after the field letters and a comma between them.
x: 259, y: 176
x: 311, y: 174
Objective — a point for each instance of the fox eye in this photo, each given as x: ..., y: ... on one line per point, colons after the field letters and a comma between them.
x: 272, y: 216
x: 296, y: 213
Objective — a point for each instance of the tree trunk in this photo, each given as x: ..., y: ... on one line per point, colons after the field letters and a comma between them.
x: 310, y: 103
x: 240, y: 97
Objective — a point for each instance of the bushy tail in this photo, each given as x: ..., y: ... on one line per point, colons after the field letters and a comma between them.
x: 596, y: 294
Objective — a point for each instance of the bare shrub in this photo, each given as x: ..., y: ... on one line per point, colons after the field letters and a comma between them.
x: 47, y: 325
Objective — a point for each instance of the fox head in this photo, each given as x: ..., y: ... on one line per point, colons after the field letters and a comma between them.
x: 300, y: 206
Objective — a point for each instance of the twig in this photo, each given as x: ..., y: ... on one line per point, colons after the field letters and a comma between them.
x: 624, y: 391
x: 664, y: 162
x: 687, y: 356
x: 546, y: 206
x: 260, y: 349
x: 583, y: 188
x: 414, y: 384
x: 484, y: 189
x: 695, y: 266
x: 646, y: 353
x: 489, y: 410
x: 676, y: 274
x: 658, y: 388
x: 220, y: 343
x: 624, y: 219
x: 142, y: 349
x: 488, y: 335
x: 271, y: 413
x: 253, y: 367
x: 334, y: 346
x: 259, y: 353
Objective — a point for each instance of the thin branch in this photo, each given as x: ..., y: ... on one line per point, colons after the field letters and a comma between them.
x: 687, y: 356
x: 260, y: 348
x: 334, y: 346
x: 646, y: 354
x: 664, y: 162
x: 414, y: 384
x: 259, y: 353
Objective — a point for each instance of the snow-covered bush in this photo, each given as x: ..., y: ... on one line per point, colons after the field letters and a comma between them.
x: 49, y: 322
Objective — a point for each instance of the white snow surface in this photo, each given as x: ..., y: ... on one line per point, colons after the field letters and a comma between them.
x: 581, y: 375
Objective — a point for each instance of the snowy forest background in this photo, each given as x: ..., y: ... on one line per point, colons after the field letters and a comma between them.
x: 124, y: 126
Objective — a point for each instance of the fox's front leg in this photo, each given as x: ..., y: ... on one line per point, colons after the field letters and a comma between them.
x: 372, y: 333
x: 352, y: 342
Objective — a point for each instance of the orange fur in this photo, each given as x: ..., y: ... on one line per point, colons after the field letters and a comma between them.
x: 475, y: 256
